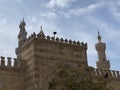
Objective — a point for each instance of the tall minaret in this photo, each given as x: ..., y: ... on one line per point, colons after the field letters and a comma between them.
x: 22, y: 34
x: 21, y: 38
x: 102, y: 62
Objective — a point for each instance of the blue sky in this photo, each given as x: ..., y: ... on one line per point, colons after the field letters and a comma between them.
x: 72, y: 19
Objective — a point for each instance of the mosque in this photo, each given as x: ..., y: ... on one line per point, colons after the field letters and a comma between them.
x: 39, y: 55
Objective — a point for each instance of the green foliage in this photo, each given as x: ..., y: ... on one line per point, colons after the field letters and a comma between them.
x: 76, y: 78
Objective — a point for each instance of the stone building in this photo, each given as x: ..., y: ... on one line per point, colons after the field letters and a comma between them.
x: 39, y: 55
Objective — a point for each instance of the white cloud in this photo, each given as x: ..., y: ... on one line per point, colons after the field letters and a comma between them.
x: 49, y: 15
x: 59, y: 3
x: 85, y: 10
x: 49, y: 25
x: 18, y: 1
x: 109, y: 31
x: 114, y: 7
x: 3, y: 21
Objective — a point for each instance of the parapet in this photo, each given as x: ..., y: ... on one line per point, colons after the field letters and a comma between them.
x: 110, y: 74
x: 55, y: 40
x: 16, y: 63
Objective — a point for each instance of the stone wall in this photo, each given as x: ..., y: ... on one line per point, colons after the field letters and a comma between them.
x: 11, y: 77
x: 43, y: 54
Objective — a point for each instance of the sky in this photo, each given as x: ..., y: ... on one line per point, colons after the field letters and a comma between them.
x: 77, y: 20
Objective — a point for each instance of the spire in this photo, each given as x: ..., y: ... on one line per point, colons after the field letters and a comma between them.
x: 41, y: 27
x: 22, y: 25
x: 41, y: 31
x: 99, y: 37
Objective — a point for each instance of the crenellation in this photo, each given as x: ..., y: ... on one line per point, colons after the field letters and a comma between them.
x: 48, y: 37
x: 66, y: 41
x: 2, y: 61
x: 112, y: 74
x: 15, y: 62
x: 57, y: 39
x: 70, y: 41
x: 54, y: 40
x: 78, y: 43
x: 62, y: 40
x: 82, y: 43
x: 118, y: 73
x: 9, y: 62
x: 74, y: 43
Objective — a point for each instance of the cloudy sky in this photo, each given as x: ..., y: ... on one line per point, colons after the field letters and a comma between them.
x: 72, y: 19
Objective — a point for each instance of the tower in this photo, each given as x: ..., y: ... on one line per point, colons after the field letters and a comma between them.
x: 102, y: 62
x: 43, y: 54
x: 21, y: 38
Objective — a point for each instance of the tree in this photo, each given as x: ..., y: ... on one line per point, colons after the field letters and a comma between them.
x: 76, y: 78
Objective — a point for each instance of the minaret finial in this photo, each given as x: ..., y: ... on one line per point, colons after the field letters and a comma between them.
x: 41, y: 32
x: 99, y: 37
x: 22, y: 25
x: 98, y: 32
x: 41, y: 28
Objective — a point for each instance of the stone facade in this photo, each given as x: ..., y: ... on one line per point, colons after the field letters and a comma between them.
x: 39, y: 55
x: 11, y: 77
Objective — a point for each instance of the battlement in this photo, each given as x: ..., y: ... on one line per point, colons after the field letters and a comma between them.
x: 111, y: 74
x: 16, y: 63
x: 55, y: 40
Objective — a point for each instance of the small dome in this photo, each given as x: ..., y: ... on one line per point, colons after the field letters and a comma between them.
x: 99, y: 37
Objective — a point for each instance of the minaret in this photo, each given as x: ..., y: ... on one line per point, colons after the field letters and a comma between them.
x: 22, y: 34
x: 21, y: 38
x: 102, y: 62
